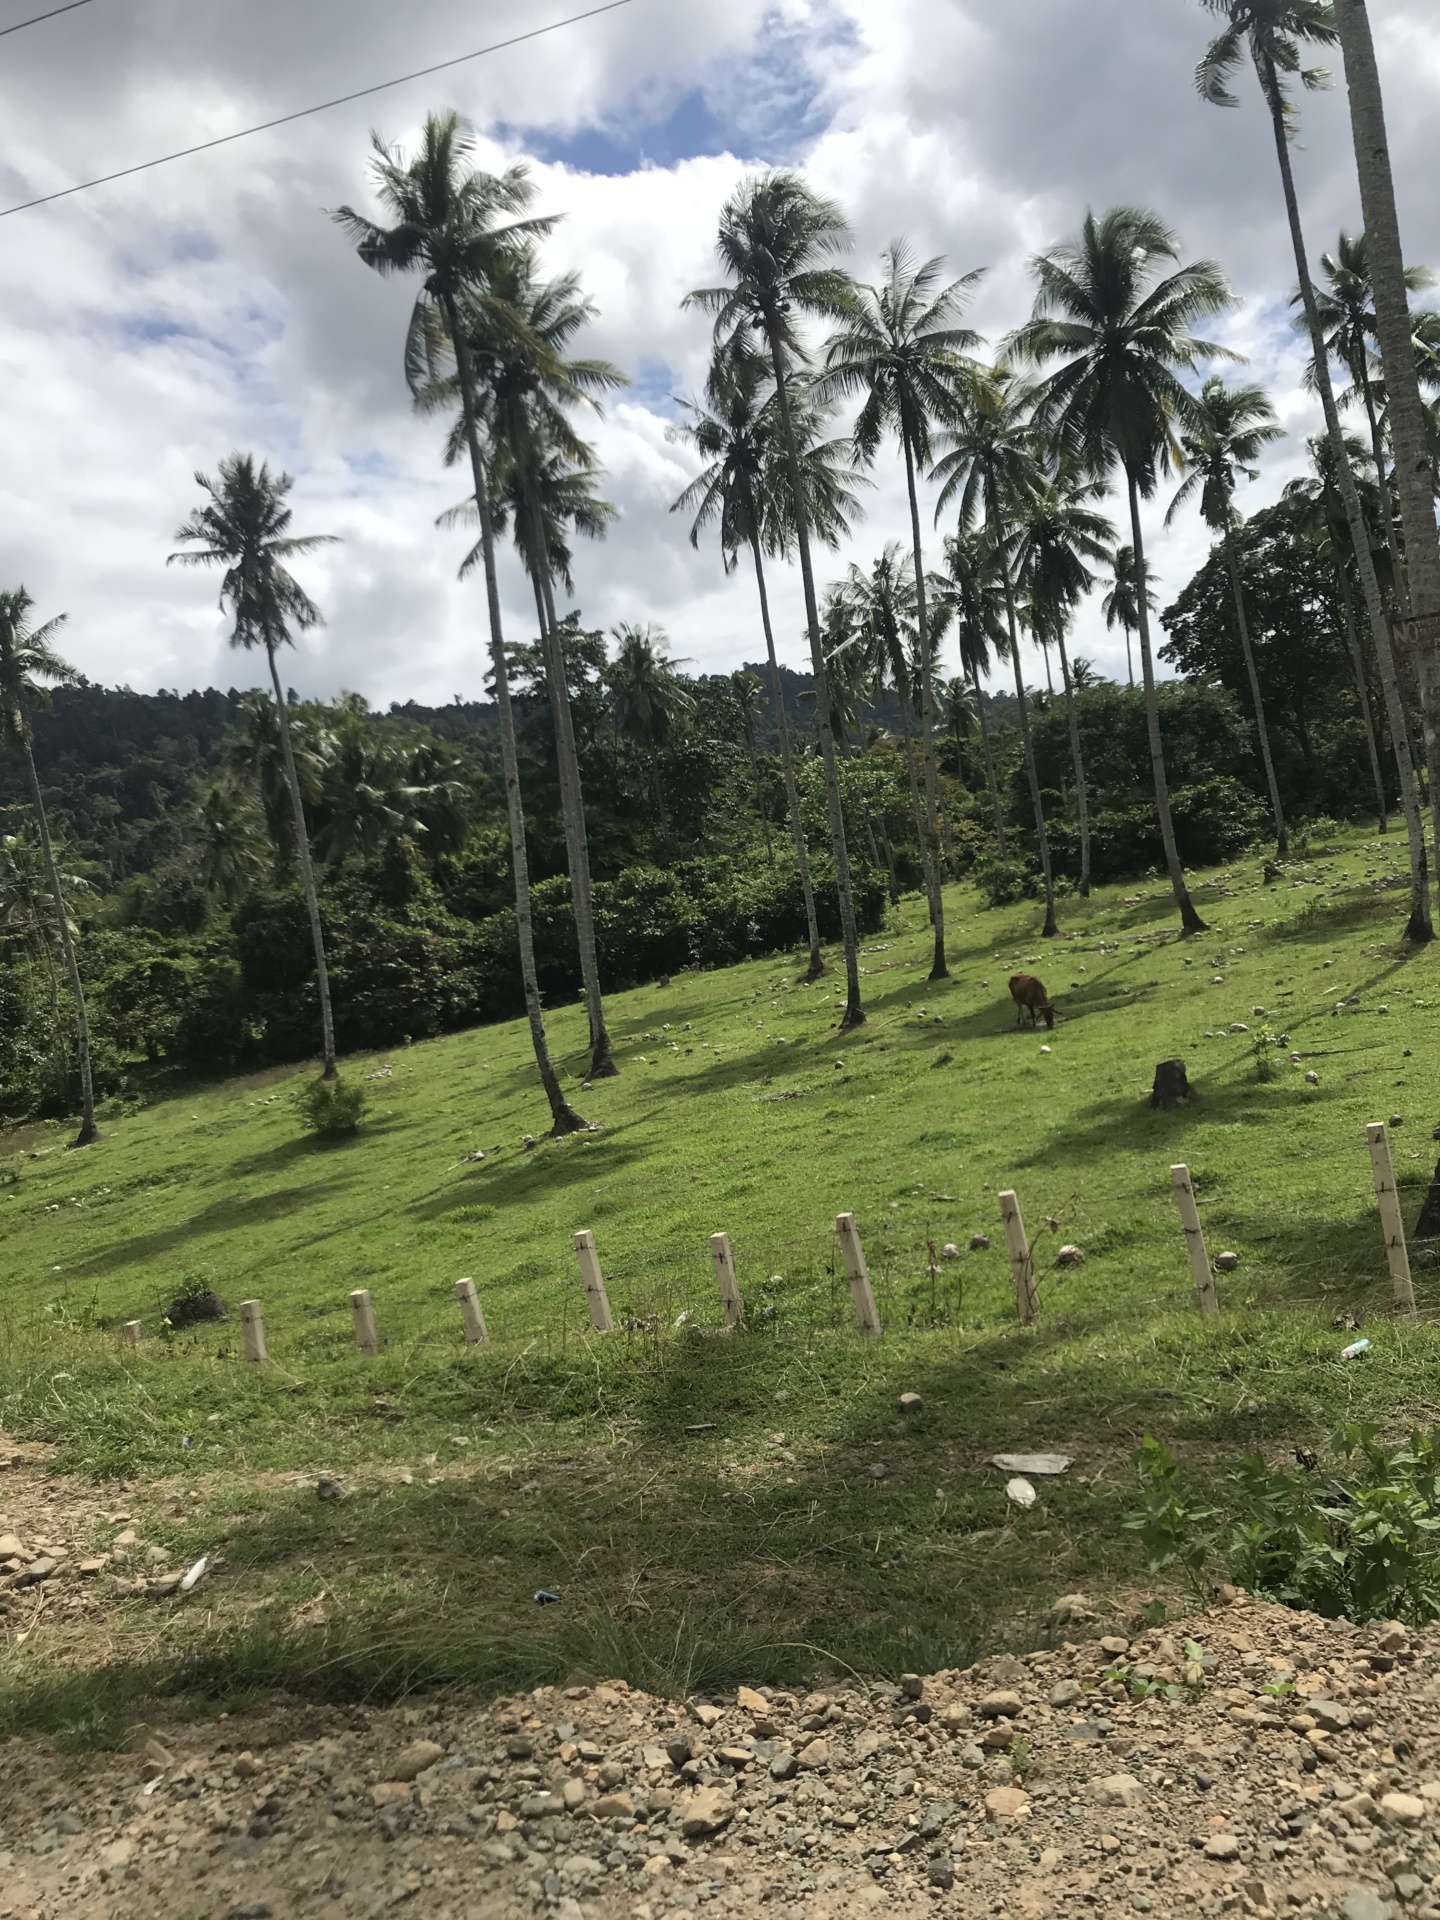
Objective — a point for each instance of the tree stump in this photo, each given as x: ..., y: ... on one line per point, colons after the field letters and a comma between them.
x: 1427, y: 1227
x: 1172, y: 1085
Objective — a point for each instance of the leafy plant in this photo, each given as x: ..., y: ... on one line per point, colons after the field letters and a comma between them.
x: 1172, y: 1529
x: 333, y: 1109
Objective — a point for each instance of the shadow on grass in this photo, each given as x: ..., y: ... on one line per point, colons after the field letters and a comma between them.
x: 233, y: 1215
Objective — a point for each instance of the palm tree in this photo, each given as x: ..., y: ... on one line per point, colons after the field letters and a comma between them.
x: 960, y: 716
x: 1059, y: 534
x: 651, y: 702
x: 974, y: 588
x: 775, y: 242
x: 743, y: 488
x: 1273, y: 32
x: 225, y: 845
x: 902, y: 347
x: 850, y: 681
x: 255, y: 759
x: 749, y: 697
x: 992, y: 463
x: 1119, y: 605
x: 28, y: 664
x: 546, y: 480
x: 1320, y: 514
x: 1410, y: 435
x: 1230, y: 429
x: 243, y: 526
x: 457, y: 226
x: 1112, y: 309
x: 879, y: 628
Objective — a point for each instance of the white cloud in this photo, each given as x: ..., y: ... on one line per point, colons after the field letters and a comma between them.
x: 152, y: 325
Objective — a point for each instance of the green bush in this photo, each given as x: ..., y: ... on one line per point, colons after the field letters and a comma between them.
x: 333, y: 1109
x: 1354, y: 1537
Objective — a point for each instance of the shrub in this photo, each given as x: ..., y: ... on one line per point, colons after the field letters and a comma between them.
x: 332, y: 1109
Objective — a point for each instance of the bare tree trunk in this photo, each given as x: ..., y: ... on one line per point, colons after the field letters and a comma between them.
x: 787, y: 767
x: 854, y: 1015
x: 565, y: 1118
x: 1129, y: 657
x: 1242, y: 621
x: 307, y: 869
x: 1082, y: 798
x: 758, y: 785
x: 914, y: 789
x: 572, y: 798
x: 847, y: 755
x: 1357, y: 661
x: 930, y: 845
x: 89, y: 1132
x: 1415, y: 474
x: 1419, y: 927
x: 1050, y: 929
x: 990, y: 779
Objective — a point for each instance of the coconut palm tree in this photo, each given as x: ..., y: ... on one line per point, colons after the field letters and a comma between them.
x: 244, y: 527
x: 1320, y: 514
x: 1230, y: 429
x: 992, y: 464
x: 1059, y: 534
x: 749, y: 697
x: 1410, y: 434
x: 225, y: 844
x: 651, y: 703
x: 1116, y: 309
x: 903, y: 351
x: 777, y: 241
x: 457, y: 226
x: 744, y: 490
x: 255, y: 760
x: 1119, y: 606
x: 851, y: 681
x: 880, y: 631
x: 29, y: 665
x: 545, y: 480
x: 1273, y: 33
x: 974, y: 589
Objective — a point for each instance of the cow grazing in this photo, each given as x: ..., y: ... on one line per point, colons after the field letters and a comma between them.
x: 1030, y: 997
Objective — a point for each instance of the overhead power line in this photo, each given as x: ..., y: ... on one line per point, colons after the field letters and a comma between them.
x: 35, y: 19
x: 303, y: 113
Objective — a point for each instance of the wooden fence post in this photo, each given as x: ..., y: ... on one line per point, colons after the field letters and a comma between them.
x: 1391, y: 1219
x: 366, y: 1338
x: 723, y: 1256
x: 472, y: 1313
x: 1195, y: 1239
x: 594, y: 1279
x: 134, y: 1333
x: 1022, y: 1262
x: 858, y: 1274
x: 252, y: 1331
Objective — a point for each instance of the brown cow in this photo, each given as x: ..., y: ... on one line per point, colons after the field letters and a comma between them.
x: 1029, y: 994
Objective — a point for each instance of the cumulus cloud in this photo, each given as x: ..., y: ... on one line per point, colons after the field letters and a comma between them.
x: 154, y: 324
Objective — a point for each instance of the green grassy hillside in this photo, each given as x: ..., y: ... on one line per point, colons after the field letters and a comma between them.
x: 706, y: 1504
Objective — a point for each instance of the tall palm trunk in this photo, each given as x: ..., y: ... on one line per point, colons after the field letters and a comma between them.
x: 787, y: 766
x: 563, y: 1115
x: 307, y: 868
x: 990, y: 779
x: 1050, y: 930
x: 1418, y: 928
x: 916, y: 807
x: 854, y: 1015
x: 89, y: 1132
x: 1357, y: 662
x: 572, y: 798
x: 759, y: 787
x: 1242, y: 622
x: 1415, y: 474
x: 930, y: 844
x: 1189, y: 918
x: 1082, y: 798
x: 842, y: 740
x: 1129, y: 656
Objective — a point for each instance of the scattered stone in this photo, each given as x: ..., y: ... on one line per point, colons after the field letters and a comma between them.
x: 784, y: 1767
x: 705, y: 1812
x: 1001, y: 1705
x: 1363, y: 1905
x: 417, y: 1759
x: 814, y: 1756
x: 1065, y: 1694
x: 1222, y: 1846
x: 949, y: 1251
x: 612, y: 1806
x: 1005, y: 1804
x: 1403, y: 1808
x: 1118, y: 1790
x: 327, y: 1487
x: 1069, y: 1256
x: 979, y: 1242
x: 1227, y: 1262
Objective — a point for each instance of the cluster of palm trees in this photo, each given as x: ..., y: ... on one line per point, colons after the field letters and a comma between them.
x: 1104, y: 385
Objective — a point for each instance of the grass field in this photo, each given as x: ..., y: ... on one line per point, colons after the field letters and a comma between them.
x: 711, y: 1507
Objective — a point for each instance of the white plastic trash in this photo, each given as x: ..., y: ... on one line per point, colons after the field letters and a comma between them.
x: 1043, y: 1464
x: 1020, y: 1492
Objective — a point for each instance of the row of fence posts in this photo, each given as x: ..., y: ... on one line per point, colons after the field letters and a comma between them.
x: 867, y: 1317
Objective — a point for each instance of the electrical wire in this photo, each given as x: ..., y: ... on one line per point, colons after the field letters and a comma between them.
x: 35, y: 19
x: 323, y: 106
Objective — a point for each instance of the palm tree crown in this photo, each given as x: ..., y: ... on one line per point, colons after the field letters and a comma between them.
x: 1230, y: 428
x: 776, y: 239
x: 27, y: 662
x: 1272, y: 31
x: 244, y: 527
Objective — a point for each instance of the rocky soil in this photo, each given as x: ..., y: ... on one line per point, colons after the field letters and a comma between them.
x: 1256, y: 1761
